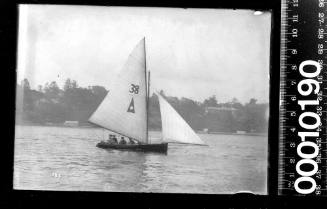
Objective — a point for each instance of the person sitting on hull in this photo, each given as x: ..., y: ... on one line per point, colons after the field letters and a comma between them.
x: 122, y: 141
x: 136, y: 142
x: 109, y: 139
x: 131, y: 141
x: 112, y: 139
x: 115, y: 139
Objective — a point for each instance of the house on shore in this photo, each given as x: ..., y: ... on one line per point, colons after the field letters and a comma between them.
x: 71, y: 123
x: 219, y: 119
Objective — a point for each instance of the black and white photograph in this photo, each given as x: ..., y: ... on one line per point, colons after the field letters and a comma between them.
x: 142, y: 99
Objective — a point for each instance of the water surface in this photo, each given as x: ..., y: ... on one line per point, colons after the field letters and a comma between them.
x: 62, y: 158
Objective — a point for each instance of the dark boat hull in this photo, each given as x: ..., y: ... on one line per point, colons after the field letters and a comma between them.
x: 160, y: 148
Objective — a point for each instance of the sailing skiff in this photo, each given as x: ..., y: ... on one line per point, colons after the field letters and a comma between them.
x: 124, y: 110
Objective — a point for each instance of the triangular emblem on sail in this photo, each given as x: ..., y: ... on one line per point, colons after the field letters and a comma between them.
x: 127, y: 92
x: 131, y: 107
x: 174, y: 127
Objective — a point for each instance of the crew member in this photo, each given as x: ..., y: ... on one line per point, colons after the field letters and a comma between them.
x: 122, y: 140
x: 112, y: 139
x: 131, y: 141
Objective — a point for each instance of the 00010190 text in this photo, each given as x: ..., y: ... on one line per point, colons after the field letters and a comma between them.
x: 306, y: 87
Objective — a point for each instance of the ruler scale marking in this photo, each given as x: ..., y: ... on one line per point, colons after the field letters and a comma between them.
x: 303, y: 38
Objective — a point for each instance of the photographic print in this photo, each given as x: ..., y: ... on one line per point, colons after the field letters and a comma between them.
x: 141, y: 99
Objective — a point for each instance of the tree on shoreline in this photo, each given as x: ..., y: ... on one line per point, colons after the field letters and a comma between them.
x: 50, y: 104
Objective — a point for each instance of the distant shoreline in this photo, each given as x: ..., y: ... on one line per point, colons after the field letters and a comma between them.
x: 232, y: 133
x: 93, y: 126
x: 57, y: 125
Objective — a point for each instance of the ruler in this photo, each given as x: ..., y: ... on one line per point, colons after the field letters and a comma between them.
x: 302, y: 163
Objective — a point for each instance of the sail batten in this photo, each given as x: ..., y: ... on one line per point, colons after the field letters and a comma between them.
x: 124, y: 110
x: 174, y: 127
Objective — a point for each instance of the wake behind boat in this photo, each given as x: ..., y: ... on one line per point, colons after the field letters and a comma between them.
x: 125, y: 111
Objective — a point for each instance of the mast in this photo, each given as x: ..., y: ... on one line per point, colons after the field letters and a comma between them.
x: 147, y: 104
x: 146, y: 98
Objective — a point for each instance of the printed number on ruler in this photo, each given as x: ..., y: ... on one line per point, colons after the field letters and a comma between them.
x: 303, y: 142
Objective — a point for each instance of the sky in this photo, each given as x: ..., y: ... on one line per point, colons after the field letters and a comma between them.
x: 193, y: 53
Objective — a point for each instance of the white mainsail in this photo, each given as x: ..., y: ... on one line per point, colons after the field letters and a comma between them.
x: 174, y: 127
x: 124, y: 109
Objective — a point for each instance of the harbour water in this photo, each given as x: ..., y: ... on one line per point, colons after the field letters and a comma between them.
x: 66, y: 159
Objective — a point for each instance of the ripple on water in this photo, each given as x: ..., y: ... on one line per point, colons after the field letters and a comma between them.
x: 226, y: 165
